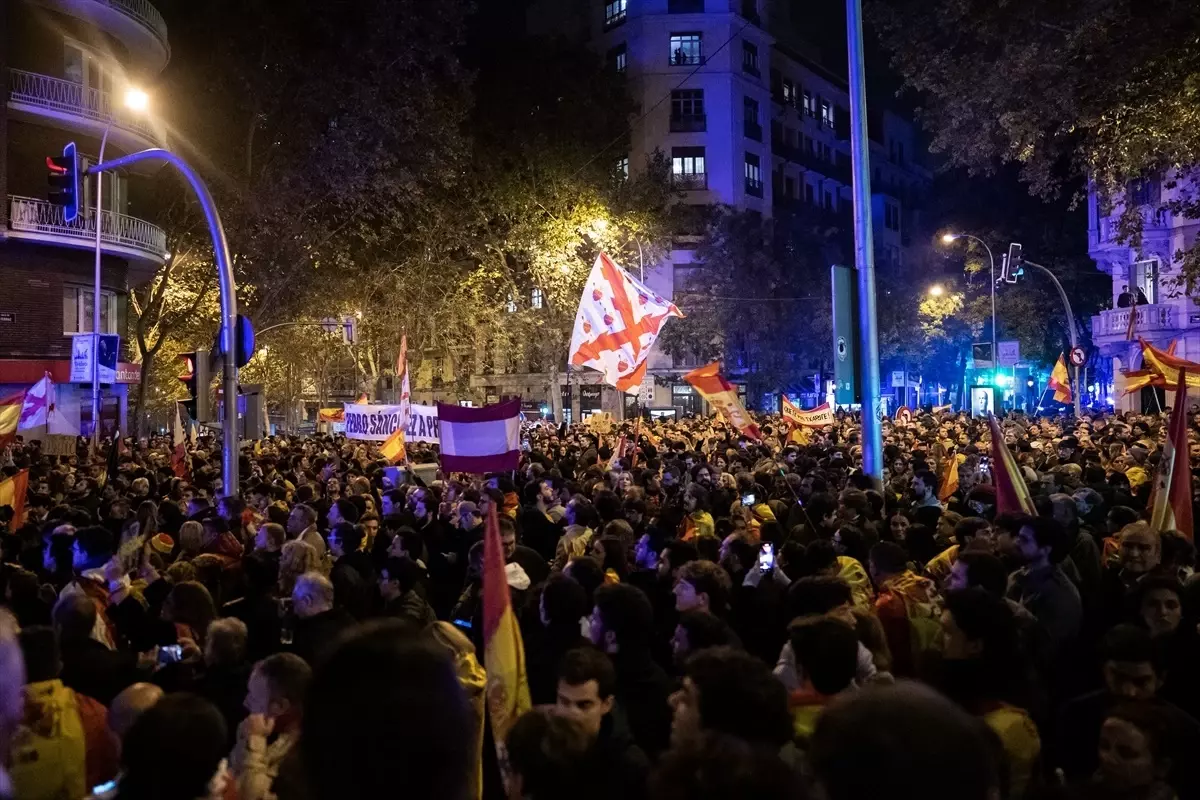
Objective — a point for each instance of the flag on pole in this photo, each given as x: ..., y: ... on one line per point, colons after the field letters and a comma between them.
x: 949, y: 478
x: 484, y: 439
x: 618, y: 320
x: 1172, y: 502
x: 12, y: 493
x: 1131, y: 331
x: 393, y: 449
x: 1012, y: 495
x: 503, y: 649
x: 722, y: 396
x: 37, y: 404
x: 178, y: 447
x: 1060, y: 381
x: 10, y: 415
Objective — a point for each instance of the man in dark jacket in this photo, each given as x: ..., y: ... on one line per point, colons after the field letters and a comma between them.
x: 89, y: 667
x: 622, y: 625
x: 400, y: 585
x: 586, y: 687
x: 318, y: 624
x: 563, y: 604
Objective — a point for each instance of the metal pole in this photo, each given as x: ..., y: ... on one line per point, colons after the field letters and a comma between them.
x: 1070, y: 327
x: 96, y: 294
x: 872, y: 437
x: 229, y: 454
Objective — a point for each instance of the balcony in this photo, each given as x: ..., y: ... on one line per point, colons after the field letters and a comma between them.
x: 121, y: 235
x: 688, y: 123
x: 1154, y: 222
x: 32, y: 95
x: 754, y: 187
x: 1151, y: 318
x: 136, y: 23
x: 689, y: 182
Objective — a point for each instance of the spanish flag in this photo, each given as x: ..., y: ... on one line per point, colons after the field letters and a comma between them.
x: 503, y: 650
x: 949, y: 478
x: 722, y: 396
x: 12, y: 493
x: 393, y: 449
x: 10, y: 415
x: 1172, y: 500
x: 1012, y: 495
x: 1060, y: 381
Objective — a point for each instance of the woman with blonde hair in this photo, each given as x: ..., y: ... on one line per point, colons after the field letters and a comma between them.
x: 295, y: 559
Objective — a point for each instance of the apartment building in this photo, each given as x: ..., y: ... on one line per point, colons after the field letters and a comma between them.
x: 69, y: 64
x: 726, y: 90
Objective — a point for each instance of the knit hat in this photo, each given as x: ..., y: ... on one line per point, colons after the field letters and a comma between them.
x: 162, y: 544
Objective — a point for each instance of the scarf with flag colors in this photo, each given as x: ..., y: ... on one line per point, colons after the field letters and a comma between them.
x: 1060, y: 381
x: 1012, y: 495
x: 722, y: 396
x: 484, y: 439
x: 10, y: 415
x: 393, y: 449
x: 503, y: 649
x: 1171, y: 504
x: 13, y: 491
x: 619, y: 318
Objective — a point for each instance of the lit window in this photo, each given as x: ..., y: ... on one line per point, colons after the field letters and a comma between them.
x: 827, y: 113
x: 614, y: 12
x: 77, y: 310
x: 750, y: 58
x: 687, y: 168
x: 618, y: 58
x: 623, y: 167
x: 789, y: 94
x: 809, y: 104
x: 754, y: 182
x: 685, y: 49
x: 510, y: 305
x: 536, y: 298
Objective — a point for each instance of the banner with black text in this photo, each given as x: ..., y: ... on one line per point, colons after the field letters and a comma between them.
x: 376, y: 423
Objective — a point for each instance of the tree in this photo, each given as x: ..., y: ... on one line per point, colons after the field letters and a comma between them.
x: 758, y: 297
x: 1098, y: 89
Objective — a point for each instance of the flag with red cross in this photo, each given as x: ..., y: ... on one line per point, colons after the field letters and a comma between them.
x: 618, y: 320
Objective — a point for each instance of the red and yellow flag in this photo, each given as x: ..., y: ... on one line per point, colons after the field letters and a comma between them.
x: 393, y: 449
x: 1060, y: 381
x: 12, y: 493
x: 1172, y: 500
x: 949, y: 478
x: 722, y: 396
x: 1012, y: 495
x: 10, y: 415
x: 503, y: 649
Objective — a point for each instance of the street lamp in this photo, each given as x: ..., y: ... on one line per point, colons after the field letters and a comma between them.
x: 936, y: 290
x: 135, y: 100
x: 950, y: 238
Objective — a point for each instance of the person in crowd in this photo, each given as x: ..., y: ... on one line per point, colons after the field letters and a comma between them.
x: 318, y: 623
x: 274, y: 701
x: 130, y: 704
x: 547, y: 758
x: 827, y: 658
x: 727, y: 691
x: 562, y: 607
x: 586, y: 691
x: 702, y: 586
x: 1042, y: 587
x: 400, y: 588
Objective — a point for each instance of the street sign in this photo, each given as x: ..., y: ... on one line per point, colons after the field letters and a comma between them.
x: 82, y: 345
x: 981, y: 354
x: 897, y: 378
x: 846, y: 373
x: 1009, y: 353
x: 1078, y: 356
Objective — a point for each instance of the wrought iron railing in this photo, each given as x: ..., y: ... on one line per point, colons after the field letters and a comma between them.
x: 69, y: 97
x: 38, y: 216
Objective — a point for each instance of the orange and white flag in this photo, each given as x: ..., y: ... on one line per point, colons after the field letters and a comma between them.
x: 618, y: 320
x: 722, y: 396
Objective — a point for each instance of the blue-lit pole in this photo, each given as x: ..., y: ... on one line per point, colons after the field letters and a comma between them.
x: 864, y: 253
x: 229, y: 454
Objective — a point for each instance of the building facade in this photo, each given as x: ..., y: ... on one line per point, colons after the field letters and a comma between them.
x: 68, y: 64
x: 1145, y: 280
x: 726, y: 92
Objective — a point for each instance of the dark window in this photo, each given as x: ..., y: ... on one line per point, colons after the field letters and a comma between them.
x: 685, y: 6
x: 808, y: 193
x: 618, y: 58
x: 789, y: 187
x: 754, y: 182
x: 753, y: 129
x: 614, y: 13
x: 808, y: 104
x: 685, y: 49
x: 829, y: 201
x: 750, y: 58
x: 688, y: 168
x: 687, y: 110
x: 750, y: 10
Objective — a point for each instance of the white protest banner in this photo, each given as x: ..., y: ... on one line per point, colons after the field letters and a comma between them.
x: 375, y: 423
x: 817, y: 417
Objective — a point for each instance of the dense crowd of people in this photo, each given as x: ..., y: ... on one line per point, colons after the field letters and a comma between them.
x: 703, y: 616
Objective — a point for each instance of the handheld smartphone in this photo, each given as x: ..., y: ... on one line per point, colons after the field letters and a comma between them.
x: 169, y: 654
x: 766, y: 557
x: 984, y: 465
x: 748, y: 499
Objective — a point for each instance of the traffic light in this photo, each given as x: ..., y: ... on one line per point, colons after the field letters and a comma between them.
x: 64, y: 181
x: 1013, y: 264
x: 195, y: 377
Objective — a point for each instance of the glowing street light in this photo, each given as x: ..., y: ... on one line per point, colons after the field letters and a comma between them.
x: 947, y: 238
x: 136, y: 99
x: 936, y: 290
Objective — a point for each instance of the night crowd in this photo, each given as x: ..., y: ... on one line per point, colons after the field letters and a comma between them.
x: 703, y: 616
